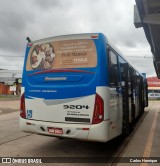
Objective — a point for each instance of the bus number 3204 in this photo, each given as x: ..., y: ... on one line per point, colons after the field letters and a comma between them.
x: 75, y: 106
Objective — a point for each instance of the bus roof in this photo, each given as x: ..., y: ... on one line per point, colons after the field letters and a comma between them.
x: 67, y: 37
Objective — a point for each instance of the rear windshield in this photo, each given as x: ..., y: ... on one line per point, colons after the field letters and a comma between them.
x: 62, y: 54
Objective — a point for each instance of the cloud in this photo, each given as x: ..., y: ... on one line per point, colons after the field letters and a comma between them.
x: 45, y: 18
x: 146, y: 68
x: 14, y: 19
x: 51, y: 4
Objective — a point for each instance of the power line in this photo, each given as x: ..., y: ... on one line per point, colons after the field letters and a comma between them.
x: 139, y: 57
x: 12, y: 65
x: 12, y: 56
x: 134, y: 51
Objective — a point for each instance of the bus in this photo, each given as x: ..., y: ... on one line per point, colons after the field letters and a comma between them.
x: 80, y: 86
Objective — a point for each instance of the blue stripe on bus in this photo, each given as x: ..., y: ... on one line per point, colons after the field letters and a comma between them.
x: 59, y: 93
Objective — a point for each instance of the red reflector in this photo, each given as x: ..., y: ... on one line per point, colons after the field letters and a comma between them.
x: 94, y: 37
x: 28, y: 123
x: 85, y: 128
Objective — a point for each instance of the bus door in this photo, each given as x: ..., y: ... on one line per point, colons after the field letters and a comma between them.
x: 115, y: 93
x: 141, y: 96
x: 145, y: 93
x: 137, y: 90
x: 125, y: 95
x: 131, y: 97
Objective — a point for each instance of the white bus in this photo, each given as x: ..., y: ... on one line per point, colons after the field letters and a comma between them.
x: 79, y: 86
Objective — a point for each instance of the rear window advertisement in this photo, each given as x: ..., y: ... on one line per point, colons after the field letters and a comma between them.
x: 62, y: 54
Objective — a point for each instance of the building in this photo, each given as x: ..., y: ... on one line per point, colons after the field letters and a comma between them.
x: 10, y: 81
x: 147, y: 15
x: 153, y: 87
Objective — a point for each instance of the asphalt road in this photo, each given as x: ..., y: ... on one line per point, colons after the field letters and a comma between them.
x: 15, y: 143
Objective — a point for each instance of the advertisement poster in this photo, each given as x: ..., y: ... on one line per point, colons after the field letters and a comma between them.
x: 62, y: 54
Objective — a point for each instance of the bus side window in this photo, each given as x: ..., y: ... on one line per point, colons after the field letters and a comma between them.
x: 113, y: 69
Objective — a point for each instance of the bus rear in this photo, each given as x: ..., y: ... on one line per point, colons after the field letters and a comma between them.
x: 60, y: 88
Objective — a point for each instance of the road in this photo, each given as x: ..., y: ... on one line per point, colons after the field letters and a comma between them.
x: 15, y: 143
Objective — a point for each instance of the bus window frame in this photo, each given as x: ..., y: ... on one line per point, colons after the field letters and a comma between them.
x: 116, y: 77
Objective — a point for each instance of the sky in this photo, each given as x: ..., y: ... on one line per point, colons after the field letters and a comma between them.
x: 46, y: 18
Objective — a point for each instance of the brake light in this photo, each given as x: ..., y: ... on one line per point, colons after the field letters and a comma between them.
x: 22, y: 107
x: 98, y: 114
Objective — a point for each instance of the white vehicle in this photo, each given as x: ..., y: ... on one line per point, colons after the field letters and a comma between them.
x: 153, y: 95
x: 86, y: 91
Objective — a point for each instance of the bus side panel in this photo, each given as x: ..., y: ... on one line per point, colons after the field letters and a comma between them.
x: 99, y: 132
x: 111, y: 127
x: 115, y: 111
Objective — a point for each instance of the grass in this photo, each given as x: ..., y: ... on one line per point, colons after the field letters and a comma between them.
x: 9, y: 97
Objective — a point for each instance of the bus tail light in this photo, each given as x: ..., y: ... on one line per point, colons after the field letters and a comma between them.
x: 98, y: 114
x: 22, y: 107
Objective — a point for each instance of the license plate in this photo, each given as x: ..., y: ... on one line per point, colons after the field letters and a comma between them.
x: 55, y: 130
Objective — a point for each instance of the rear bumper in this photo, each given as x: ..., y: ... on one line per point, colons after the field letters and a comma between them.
x: 96, y: 132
